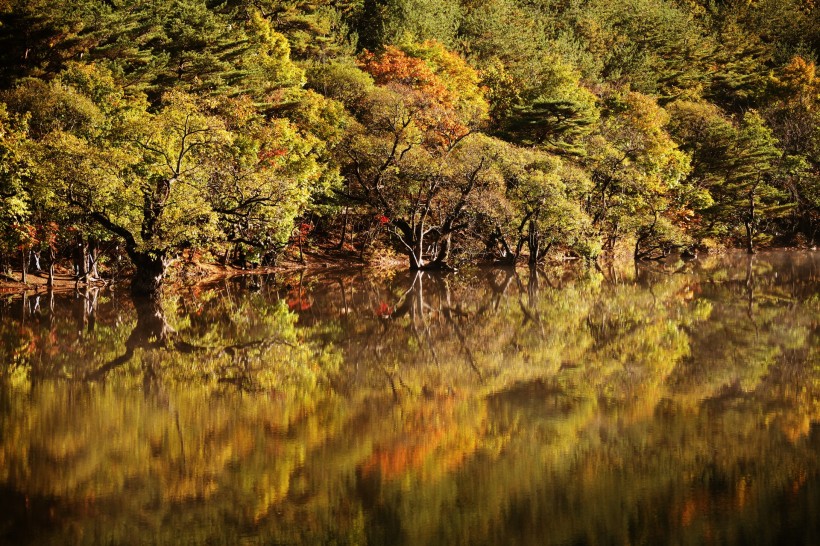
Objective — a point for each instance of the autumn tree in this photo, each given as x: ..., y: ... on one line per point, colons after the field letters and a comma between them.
x: 412, y: 159
x: 14, y: 168
x: 794, y: 118
x: 638, y: 172
x: 423, y: 195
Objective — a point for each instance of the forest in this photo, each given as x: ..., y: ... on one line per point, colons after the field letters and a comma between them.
x: 138, y: 134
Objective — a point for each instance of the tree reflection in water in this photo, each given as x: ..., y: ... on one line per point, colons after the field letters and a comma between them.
x: 669, y: 405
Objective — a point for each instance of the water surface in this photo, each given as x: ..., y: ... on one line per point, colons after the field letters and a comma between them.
x: 671, y: 404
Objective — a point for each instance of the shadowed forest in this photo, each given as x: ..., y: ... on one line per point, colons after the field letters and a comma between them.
x: 137, y: 134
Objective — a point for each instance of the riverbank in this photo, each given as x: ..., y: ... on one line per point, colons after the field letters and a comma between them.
x: 190, y: 272
x: 195, y: 271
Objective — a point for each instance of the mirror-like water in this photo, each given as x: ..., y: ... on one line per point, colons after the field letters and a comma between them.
x: 667, y: 406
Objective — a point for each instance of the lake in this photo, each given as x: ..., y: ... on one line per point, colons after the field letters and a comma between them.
x: 672, y: 403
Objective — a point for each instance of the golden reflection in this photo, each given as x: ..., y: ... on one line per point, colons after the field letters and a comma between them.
x: 643, y: 406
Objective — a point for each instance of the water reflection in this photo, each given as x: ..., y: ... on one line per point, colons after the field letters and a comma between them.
x: 670, y: 405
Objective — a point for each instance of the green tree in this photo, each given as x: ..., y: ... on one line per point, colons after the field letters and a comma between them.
x: 638, y: 172
x: 183, y: 175
x: 15, y: 168
x: 393, y: 22
x: 657, y: 48
x: 545, y: 196
x: 270, y: 173
x: 750, y: 195
x: 558, y: 117
x: 741, y: 78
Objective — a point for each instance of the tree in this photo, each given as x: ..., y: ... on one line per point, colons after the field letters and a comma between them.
x: 164, y: 152
x: 342, y: 81
x: 741, y: 76
x: 318, y: 30
x: 739, y: 165
x: 637, y: 171
x: 657, y: 48
x: 794, y: 118
x: 184, y: 175
x: 424, y: 193
x: 444, y: 90
x: 544, y: 195
x: 556, y: 115
x: 269, y: 174
x: 412, y: 160
x: 144, y: 181
x: 750, y: 195
x: 389, y: 22
x: 15, y: 167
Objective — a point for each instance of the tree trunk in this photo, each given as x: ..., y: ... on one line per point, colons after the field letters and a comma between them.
x: 750, y: 228
x: 149, y: 274
x: 750, y: 248
x: 415, y: 264
x: 533, y: 244
x: 93, y: 254
x: 78, y: 257
x: 443, y: 254
x: 34, y: 262
x: 416, y: 252
x: 51, y: 259
x: 23, y: 266
x: 508, y: 256
x: 519, y: 247
x: 344, y: 231
x: 535, y: 251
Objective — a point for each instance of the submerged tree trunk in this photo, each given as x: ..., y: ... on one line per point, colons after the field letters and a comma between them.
x: 535, y: 252
x: 750, y: 221
x: 78, y: 257
x: 413, y: 240
x: 34, y: 261
x: 51, y: 258
x: 92, y: 258
x: 443, y: 255
x: 750, y: 248
x: 149, y: 274
x: 508, y: 257
x: 413, y: 261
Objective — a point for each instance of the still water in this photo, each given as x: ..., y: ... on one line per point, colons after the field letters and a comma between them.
x: 673, y: 404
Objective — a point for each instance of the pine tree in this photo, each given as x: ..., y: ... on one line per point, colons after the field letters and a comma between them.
x: 749, y: 194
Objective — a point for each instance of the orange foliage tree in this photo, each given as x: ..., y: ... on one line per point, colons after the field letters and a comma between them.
x: 413, y: 158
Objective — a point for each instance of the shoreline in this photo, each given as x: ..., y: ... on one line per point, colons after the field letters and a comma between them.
x: 191, y: 273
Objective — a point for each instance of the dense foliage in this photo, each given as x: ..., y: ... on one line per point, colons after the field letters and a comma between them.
x: 448, y: 131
